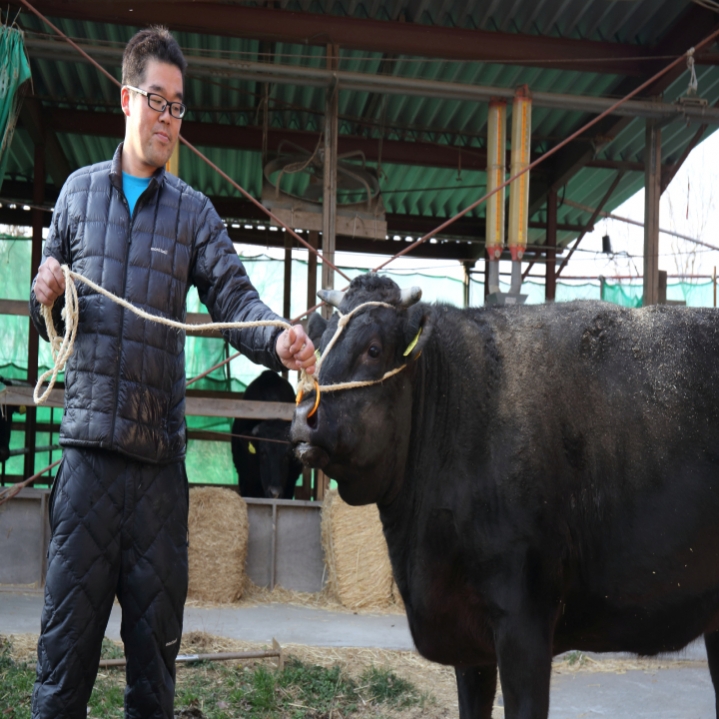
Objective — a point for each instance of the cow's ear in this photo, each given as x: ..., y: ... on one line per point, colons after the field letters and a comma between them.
x: 417, y: 330
x: 316, y: 326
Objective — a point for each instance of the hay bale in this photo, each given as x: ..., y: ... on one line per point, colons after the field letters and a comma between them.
x: 218, y: 529
x: 358, y: 568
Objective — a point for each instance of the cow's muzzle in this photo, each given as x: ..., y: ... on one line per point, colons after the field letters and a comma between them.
x: 312, y: 456
x: 303, y: 436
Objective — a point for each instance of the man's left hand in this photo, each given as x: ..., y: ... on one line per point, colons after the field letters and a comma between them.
x: 295, y: 349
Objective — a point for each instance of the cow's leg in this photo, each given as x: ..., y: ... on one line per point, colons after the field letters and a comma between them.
x: 476, y: 687
x: 712, y: 644
x: 524, y: 653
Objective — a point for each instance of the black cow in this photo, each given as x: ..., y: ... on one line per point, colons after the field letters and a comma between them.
x: 547, y: 478
x: 266, y: 469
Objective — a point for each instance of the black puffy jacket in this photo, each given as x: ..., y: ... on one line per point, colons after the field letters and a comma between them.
x: 125, y: 381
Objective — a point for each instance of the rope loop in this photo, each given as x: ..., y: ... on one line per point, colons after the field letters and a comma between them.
x: 62, y: 347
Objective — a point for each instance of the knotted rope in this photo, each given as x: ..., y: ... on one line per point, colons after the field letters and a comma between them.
x: 341, y: 324
x: 62, y: 347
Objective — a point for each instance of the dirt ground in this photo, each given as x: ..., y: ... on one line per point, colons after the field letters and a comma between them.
x: 433, y: 679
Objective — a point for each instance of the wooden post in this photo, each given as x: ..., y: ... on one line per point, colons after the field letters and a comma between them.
x: 173, y: 164
x: 329, y: 197
x: 38, y: 197
x: 662, y: 296
x: 652, y: 195
x: 467, y: 279
x: 550, y: 286
x: 287, y: 296
x: 287, y: 290
x: 322, y: 486
x: 486, y: 277
x: 314, y: 240
x: 305, y: 492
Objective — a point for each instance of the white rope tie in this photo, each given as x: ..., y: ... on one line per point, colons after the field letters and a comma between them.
x: 62, y: 347
x: 341, y: 324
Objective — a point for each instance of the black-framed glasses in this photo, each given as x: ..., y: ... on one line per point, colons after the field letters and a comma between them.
x: 158, y: 103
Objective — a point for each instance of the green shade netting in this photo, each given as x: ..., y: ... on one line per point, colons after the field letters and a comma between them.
x: 211, y: 462
x: 629, y: 294
x: 14, y: 71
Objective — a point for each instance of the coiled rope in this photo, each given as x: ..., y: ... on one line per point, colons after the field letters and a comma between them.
x: 62, y: 347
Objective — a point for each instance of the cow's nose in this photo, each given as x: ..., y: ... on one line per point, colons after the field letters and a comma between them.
x: 301, y: 428
x: 275, y: 492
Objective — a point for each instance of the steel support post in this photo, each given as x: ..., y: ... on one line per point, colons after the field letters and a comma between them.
x: 314, y: 240
x: 652, y: 195
x: 550, y: 287
x: 467, y: 282
x: 33, y: 337
x: 329, y: 196
x: 287, y: 289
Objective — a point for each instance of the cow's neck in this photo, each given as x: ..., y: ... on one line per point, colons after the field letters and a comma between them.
x: 452, y: 394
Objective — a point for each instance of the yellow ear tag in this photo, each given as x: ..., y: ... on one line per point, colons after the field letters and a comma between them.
x: 22, y: 409
x: 413, y: 343
x: 251, y: 447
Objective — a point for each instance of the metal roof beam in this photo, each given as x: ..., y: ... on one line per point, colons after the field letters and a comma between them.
x: 402, y: 38
x: 366, y: 82
x: 249, y: 137
x: 696, y: 24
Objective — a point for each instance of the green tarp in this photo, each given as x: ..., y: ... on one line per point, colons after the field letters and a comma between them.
x: 14, y: 71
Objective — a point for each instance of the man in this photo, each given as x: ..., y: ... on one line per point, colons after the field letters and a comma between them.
x: 118, y: 509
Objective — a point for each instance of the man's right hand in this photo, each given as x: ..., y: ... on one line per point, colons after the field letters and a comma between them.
x: 50, y: 282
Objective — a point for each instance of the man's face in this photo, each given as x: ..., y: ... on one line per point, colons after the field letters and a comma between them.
x: 150, y: 136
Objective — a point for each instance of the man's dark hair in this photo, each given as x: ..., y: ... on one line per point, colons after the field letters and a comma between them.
x: 154, y: 43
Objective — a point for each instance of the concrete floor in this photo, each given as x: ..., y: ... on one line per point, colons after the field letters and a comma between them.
x: 672, y: 693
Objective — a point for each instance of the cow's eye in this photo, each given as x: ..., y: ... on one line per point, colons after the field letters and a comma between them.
x: 374, y: 351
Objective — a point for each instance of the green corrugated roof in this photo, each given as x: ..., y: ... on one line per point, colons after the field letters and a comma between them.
x: 460, y: 124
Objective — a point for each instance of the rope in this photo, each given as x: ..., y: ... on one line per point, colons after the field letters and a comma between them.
x: 62, y: 348
x: 357, y: 384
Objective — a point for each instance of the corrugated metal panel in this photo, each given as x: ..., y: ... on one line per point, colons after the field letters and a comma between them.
x: 407, y: 189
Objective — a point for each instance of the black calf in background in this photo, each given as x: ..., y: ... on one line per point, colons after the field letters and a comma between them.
x: 6, y: 414
x: 266, y: 469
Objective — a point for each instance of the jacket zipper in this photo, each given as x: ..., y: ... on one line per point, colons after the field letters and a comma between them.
x: 122, y: 309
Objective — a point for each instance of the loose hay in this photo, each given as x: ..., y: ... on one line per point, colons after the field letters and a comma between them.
x: 358, y: 567
x: 218, y: 528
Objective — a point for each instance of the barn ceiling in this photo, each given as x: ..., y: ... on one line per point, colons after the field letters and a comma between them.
x: 430, y: 151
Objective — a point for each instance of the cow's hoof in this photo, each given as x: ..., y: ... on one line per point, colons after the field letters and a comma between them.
x: 312, y: 456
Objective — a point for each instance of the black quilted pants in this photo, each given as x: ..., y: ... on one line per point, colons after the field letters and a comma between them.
x: 119, y: 527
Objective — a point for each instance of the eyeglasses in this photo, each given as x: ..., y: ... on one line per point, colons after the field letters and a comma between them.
x: 158, y: 103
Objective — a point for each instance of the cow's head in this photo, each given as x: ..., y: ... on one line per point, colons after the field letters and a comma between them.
x: 360, y: 437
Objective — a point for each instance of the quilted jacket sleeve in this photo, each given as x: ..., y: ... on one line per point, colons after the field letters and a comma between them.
x: 57, y: 245
x: 226, y: 290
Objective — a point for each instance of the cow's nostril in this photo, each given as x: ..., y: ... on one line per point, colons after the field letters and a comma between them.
x: 312, y: 421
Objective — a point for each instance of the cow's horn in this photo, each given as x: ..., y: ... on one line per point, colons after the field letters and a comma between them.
x: 410, y: 295
x: 331, y: 297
